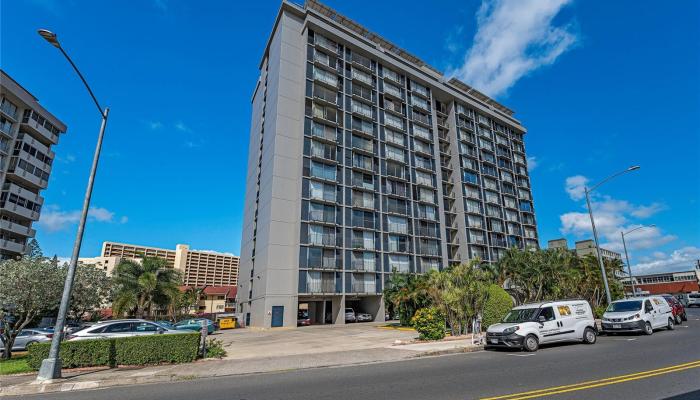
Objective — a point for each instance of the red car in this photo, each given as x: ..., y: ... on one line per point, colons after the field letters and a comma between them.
x: 677, y: 308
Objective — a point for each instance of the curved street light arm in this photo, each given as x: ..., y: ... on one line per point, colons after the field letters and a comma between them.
x: 82, y: 78
x: 612, y: 176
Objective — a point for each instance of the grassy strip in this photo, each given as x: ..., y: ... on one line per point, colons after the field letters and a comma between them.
x: 15, y: 365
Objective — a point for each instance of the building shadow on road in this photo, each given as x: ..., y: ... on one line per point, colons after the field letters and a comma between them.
x: 686, y: 396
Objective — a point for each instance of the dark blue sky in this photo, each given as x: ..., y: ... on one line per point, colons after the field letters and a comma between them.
x: 623, y: 89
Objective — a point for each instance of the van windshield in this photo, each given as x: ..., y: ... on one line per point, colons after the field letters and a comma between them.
x: 625, y: 306
x: 520, y: 315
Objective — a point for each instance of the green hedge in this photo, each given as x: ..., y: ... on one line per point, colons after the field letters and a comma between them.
x: 136, y: 350
x: 497, y: 305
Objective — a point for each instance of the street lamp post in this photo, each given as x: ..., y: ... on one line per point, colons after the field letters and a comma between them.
x: 51, y: 366
x: 595, y: 233
x: 624, y: 245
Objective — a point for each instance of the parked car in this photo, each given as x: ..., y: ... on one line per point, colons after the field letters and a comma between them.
x: 121, y: 328
x: 350, y: 315
x: 638, y: 314
x: 677, y: 308
x: 303, y: 318
x: 694, y: 300
x: 195, y: 324
x: 530, y: 325
x: 27, y: 337
x: 363, y: 317
x: 166, y: 324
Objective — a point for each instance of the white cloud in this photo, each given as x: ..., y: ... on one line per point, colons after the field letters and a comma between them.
x: 124, y: 219
x: 532, y: 163
x: 513, y: 38
x: 54, y: 219
x: 648, y: 211
x: 679, y: 260
x: 612, y: 216
x: 180, y: 126
x: 575, y: 187
x: 155, y: 125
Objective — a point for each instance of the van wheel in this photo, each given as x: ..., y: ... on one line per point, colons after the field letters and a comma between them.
x: 670, y: 326
x: 648, y: 330
x: 531, y: 343
x: 589, y: 336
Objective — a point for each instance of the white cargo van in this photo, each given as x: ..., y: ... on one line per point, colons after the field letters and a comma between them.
x: 527, y: 326
x: 638, y: 314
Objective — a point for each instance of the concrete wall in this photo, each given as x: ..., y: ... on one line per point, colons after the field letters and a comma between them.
x: 276, y: 245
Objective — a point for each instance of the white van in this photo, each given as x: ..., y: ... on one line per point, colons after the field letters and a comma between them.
x: 527, y: 326
x: 638, y: 314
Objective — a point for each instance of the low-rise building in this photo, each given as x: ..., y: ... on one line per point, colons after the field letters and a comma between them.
x: 668, y: 282
x: 584, y: 248
x: 106, y: 264
x: 216, y: 299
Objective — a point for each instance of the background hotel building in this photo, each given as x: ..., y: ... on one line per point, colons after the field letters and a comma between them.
x: 27, y: 132
x: 363, y: 160
x: 198, y: 268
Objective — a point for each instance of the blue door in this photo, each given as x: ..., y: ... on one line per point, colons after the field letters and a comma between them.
x: 277, y: 316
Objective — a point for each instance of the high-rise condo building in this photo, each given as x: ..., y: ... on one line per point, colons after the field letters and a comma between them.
x: 364, y: 160
x: 197, y: 267
x: 27, y: 132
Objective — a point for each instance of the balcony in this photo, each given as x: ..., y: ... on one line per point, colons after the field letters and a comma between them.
x: 421, y: 118
x: 321, y: 287
x: 20, y: 211
x: 322, y: 216
x: 362, y: 61
x: 11, y: 246
x: 29, y: 178
x: 324, y: 132
x: 33, y: 126
x: 363, y: 265
x: 17, y: 228
x: 362, y: 244
x: 326, y: 43
x: 393, y: 91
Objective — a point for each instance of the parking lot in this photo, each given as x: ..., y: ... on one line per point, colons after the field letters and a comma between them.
x: 255, y: 343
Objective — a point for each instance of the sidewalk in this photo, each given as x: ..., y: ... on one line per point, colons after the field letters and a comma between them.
x: 101, y: 378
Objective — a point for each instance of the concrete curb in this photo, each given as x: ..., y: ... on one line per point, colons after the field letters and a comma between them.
x: 67, y: 386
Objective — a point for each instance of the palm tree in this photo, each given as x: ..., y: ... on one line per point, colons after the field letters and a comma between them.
x: 142, y: 285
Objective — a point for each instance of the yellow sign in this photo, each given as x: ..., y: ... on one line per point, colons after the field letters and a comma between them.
x: 564, y: 310
x: 227, y: 323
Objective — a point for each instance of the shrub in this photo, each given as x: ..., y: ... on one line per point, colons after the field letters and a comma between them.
x: 599, y: 311
x: 497, y: 305
x: 215, y: 349
x: 75, y: 354
x: 430, y: 323
x: 136, y: 350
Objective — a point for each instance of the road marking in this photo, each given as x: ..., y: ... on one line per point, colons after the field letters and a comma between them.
x: 625, y: 339
x: 596, y: 383
x: 520, y: 355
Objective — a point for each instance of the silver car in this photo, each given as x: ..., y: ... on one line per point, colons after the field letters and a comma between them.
x: 27, y: 337
x: 121, y: 328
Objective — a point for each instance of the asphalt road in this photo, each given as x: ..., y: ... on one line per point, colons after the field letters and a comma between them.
x: 617, y: 367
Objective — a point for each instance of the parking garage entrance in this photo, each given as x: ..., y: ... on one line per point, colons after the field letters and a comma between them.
x: 314, y: 311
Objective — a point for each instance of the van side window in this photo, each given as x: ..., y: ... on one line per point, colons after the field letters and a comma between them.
x: 647, y: 306
x: 547, y: 313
